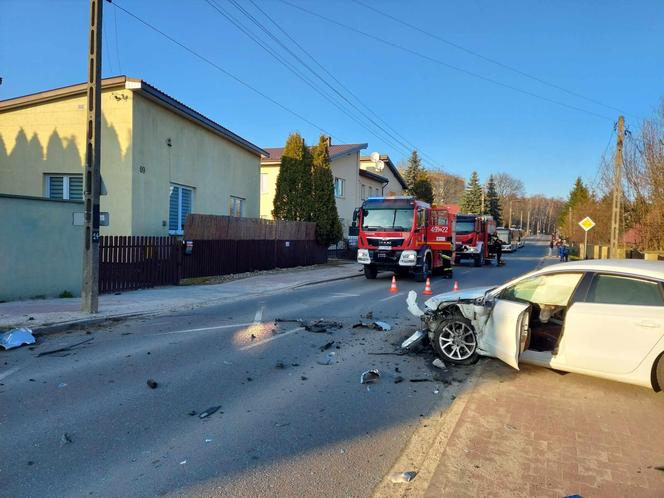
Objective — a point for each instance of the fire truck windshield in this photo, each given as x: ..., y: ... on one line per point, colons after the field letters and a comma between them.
x: 397, y: 220
x: 464, y: 227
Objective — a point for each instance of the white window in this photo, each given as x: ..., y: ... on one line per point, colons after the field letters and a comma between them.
x: 265, y: 188
x: 364, y: 192
x: 236, y: 206
x: 339, y: 185
x: 179, y: 206
x: 68, y: 187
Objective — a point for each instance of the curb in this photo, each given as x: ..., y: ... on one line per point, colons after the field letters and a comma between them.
x: 56, y: 328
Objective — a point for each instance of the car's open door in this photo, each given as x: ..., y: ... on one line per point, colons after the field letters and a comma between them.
x: 506, y: 332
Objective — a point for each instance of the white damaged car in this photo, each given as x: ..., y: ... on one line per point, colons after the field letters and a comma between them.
x: 603, y: 318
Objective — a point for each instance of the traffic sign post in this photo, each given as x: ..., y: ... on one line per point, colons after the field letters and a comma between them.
x: 586, y: 223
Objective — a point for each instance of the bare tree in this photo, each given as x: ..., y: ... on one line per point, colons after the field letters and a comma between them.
x: 447, y: 188
x: 508, y: 187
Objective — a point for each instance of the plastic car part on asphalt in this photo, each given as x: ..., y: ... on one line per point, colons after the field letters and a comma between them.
x: 16, y: 338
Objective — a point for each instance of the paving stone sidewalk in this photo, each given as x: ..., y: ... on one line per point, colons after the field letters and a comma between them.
x: 541, y: 433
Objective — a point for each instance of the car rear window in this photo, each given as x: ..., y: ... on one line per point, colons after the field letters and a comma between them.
x: 612, y: 289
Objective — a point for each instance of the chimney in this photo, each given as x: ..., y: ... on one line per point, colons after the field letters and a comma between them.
x: 328, y: 139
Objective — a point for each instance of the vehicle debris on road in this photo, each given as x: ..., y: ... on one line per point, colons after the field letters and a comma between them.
x: 376, y: 325
x: 399, y: 477
x: 398, y: 379
x: 16, y: 338
x: 152, y: 384
x: 209, y: 411
x: 66, y: 348
x: 370, y: 376
x: 414, y: 341
x: 65, y: 439
x: 327, y: 346
x: 319, y: 326
x: 438, y: 363
x: 328, y: 359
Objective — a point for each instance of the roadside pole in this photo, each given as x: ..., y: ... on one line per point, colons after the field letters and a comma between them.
x: 617, y: 189
x: 586, y: 223
x: 90, y: 283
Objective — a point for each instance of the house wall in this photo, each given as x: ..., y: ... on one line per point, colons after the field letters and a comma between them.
x: 213, y: 166
x: 41, y: 252
x: 50, y: 138
x: 374, y: 191
x: 347, y: 167
x: 393, y: 187
x: 267, y: 198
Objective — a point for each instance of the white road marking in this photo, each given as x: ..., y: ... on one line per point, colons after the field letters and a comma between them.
x: 8, y: 372
x: 254, y: 344
x: 203, y: 329
x: 391, y: 297
x: 341, y: 294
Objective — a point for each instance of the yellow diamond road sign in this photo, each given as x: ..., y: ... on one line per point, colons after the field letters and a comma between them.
x: 586, y: 223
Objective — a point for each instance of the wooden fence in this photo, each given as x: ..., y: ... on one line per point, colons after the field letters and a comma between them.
x: 216, y: 227
x: 127, y: 263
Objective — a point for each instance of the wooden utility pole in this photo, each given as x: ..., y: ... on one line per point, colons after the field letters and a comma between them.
x: 90, y: 284
x: 528, y: 221
x: 617, y: 189
x: 509, y: 223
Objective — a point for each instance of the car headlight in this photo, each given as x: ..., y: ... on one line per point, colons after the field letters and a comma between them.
x: 363, y: 256
x: 408, y: 258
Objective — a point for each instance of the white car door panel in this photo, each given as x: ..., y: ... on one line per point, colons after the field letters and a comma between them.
x: 501, y: 336
x: 609, y: 338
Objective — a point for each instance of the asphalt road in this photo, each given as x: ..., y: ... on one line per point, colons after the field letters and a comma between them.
x: 303, y: 430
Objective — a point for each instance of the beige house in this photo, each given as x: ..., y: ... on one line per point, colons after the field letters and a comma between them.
x: 395, y: 183
x: 352, y: 184
x: 160, y: 159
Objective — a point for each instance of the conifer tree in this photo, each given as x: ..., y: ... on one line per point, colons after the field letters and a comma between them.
x: 493, y: 202
x: 324, y: 211
x: 472, y: 197
x: 423, y: 189
x: 413, y: 172
x: 292, y: 198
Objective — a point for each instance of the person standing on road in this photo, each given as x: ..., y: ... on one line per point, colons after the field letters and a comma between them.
x: 498, y: 249
x: 551, y: 247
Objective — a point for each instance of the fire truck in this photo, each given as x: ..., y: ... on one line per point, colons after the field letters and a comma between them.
x: 404, y: 235
x: 473, y: 236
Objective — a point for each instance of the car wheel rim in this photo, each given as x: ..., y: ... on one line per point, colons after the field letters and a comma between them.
x: 457, y: 341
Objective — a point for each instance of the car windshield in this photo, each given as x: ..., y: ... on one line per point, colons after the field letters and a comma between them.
x: 504, y: 235
x: 387, y: 219
x: 464, y: 227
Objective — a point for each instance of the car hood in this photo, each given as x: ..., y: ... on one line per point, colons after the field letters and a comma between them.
x: 454, y: 296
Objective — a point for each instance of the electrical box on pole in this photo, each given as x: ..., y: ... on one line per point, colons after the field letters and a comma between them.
x: 90, y: 284
x: 617, y: 189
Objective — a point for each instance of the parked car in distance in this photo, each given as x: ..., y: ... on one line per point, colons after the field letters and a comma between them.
x: 505, y: 234
x: 603, y: 318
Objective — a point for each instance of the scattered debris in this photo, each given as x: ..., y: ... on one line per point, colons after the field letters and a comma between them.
x: 209, y: 411
x: 398, y: 379
x: 369, y: 316
x: 302, y: 377
x: 253, y: 337
x: 377, y: 325
x: 183, y: 462
x: 436, y: 391
x: 16, y: 338
x: 66, y: 348
x: 438, y: 363
x: 191, y: 413
x: 152, y: 384
x: 208, y: 440
x: 65, y: 439
x: 399, y: 477
x: 62, y: 384
x: 414, y: 341
x: 421, y: 380
x: 228, y: 362
x: 285, y: 424
x: 295, y: 364
x: 316, y: 326
x: 326, y: 346
x: 370, y: 376
x: 328, y: 359
x: 396, y: 369
x: 280, y: 365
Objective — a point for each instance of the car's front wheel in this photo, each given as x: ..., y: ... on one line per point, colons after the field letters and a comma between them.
x: 659, y: 373
x: 455, y: 341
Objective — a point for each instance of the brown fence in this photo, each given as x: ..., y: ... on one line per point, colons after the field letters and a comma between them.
x: 127, y: 263
x: 216, y: 227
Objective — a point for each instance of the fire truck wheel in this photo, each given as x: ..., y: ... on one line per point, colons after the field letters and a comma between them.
x: 479, y: 260
x: 370, y: 272
x: 424, y: 271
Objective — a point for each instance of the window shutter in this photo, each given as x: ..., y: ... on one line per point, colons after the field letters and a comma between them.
x: 55, y: 187
x: 76, y: 188
x: 173, y: 209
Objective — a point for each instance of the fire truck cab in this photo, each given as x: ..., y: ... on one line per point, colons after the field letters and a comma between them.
x: 404, y: 235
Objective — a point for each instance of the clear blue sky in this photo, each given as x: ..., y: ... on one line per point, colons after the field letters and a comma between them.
x: 610, y: 51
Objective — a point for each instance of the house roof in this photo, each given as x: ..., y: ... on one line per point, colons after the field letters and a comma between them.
x: 388, y: 162
x: 373, y: 176
x: 336, y: 150
x: 144, y: 89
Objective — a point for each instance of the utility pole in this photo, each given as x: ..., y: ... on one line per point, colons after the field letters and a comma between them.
x: 521, y: 220
x: 90, y: 284
x: 509, y: 223
x: 528, y: 221
x: 617, y: 189
x: 569, y: 222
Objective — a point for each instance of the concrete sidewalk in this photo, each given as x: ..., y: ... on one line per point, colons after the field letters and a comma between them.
x: 53, y: 315
x: 541, y: 433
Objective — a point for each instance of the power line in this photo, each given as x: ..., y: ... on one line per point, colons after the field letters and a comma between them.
x: 221, y: 69
x: 485, y: 58
x: 290, y: 66
x: 335, y: 79
x: 445, y: 64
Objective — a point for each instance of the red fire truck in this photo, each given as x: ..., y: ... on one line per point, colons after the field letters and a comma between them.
x: 404, y: 235
x: 473, y: 235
